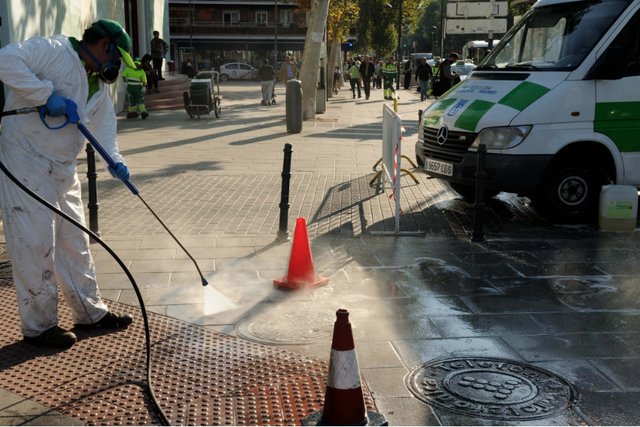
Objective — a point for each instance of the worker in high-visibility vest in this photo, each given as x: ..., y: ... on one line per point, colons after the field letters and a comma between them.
x: 389, y: 74
x: 136, y: 79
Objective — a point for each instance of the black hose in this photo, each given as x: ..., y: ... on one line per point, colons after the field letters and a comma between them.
x: 147, y: 333
x: 25, y: 110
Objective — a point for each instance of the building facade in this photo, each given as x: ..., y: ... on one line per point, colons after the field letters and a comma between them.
x: 212, y: 32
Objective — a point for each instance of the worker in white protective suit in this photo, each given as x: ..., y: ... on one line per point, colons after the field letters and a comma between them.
x: 62, y: 74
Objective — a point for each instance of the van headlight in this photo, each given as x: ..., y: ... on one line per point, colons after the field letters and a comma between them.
x: 502, y: 137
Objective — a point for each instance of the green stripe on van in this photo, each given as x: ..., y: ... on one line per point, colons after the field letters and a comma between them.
x: 523, y: 95
x: 471, y: 116
x: 620, y: 121
x: 435, y: 112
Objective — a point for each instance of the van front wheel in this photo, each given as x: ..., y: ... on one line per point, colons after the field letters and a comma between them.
x: 569, y: 193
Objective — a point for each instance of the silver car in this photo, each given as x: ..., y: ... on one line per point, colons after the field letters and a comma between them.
x: 237, y: 71
x: 463, y: 69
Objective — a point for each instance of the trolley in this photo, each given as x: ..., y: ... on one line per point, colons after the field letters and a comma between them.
x: 203, y: 96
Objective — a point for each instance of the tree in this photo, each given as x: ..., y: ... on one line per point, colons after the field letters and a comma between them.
x: 311, y: 57
x: 343, y: 15
x: 378, y: 23
x: 428, y: 28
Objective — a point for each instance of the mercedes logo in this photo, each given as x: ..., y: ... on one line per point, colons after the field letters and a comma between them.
x: 442, y: 135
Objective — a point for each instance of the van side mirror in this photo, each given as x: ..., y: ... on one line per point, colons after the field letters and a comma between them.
x: 609, y: 66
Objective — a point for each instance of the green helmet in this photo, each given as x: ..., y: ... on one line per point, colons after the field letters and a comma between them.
x: 117, y: 35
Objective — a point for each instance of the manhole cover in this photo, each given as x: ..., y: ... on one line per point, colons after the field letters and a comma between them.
x: 299, y: 324
x: 491, y: 388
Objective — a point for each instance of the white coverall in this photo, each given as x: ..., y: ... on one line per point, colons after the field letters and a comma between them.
x: 45, y: 249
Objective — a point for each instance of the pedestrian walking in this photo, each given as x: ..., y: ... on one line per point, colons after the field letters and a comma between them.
x: 267, y: 75
x: 445, y: 78
x: 159, y: 49
x: 424, y: 75
x: 288, y: 70
x: 445, y: 69
x: 407, y: 67
x: 378, y: 75
x: 136, y: 80
x: 152, y: 75
x: 367, y: 71
x: 68, y: 77
x: 337, y: 79
x: 354, y: 79
x: 188, y: 69
x: 389, y: 74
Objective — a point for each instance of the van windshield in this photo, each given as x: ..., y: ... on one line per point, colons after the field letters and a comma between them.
x: 556, y: 37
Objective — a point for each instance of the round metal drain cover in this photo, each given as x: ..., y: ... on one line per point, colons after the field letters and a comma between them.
x: 297, y: 324
x: 491, y: 388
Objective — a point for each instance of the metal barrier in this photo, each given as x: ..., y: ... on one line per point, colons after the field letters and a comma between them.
x: 391, y: 162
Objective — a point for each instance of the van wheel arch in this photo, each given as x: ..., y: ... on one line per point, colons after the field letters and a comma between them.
x: 570, y: 189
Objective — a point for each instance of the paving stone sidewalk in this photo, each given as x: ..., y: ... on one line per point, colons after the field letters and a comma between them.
x: 558, y: 299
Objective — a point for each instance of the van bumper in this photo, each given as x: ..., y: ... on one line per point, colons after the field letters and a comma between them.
x: 519, y: 174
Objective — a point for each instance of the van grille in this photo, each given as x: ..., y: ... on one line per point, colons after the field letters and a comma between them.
x: 452, y: 150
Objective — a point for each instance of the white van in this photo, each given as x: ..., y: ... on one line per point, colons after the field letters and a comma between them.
x: 475, y: 50
x: 557, y: 104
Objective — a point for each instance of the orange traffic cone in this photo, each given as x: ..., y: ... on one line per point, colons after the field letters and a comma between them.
x: 301, y: 272
x: 343, y: 401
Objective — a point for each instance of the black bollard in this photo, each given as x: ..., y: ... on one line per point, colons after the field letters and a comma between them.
x: 283, y: 232
x: 478, y: 207
x: 93, y: 190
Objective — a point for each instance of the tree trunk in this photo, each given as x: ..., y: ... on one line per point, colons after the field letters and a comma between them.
x: 311, y: 57
x: 331, y: 65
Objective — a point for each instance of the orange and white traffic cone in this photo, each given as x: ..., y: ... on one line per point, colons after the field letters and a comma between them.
x: 344, y: 401
x: 301, y: 273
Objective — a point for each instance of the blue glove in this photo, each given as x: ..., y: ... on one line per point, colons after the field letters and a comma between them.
x: 121, y: 171
x: 56, y: 106
x: 72, y: 111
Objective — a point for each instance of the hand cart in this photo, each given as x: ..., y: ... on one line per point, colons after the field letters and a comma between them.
x: 203, y: 95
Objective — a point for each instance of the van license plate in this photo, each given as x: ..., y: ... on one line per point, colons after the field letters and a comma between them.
x: 436, y: 166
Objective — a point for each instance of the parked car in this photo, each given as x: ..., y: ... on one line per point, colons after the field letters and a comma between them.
x: 463, y: 69
x: 207, y: 75
x: 237, y: 71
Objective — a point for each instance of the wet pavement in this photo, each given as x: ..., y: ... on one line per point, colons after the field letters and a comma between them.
x: 537, y: 325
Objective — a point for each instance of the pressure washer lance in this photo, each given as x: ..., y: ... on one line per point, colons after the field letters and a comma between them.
x: 127, y: 182
x: 96, y: 145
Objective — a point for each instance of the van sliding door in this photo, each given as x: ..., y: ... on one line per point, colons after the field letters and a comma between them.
x: 618, y: 102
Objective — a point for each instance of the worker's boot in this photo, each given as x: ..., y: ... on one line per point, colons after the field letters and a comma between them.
x: 111, y: 320
x: 54, y: 337
x: 132, y: 115
x: 144, y: 115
